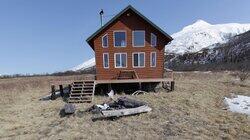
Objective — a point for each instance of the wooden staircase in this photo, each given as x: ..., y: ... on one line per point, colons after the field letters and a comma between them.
x: 82, y: 92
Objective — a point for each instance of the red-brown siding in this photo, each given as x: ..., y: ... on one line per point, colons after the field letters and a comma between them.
x: 129, y: 23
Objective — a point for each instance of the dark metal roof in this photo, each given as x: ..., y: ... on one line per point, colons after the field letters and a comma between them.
x: 119, y: 14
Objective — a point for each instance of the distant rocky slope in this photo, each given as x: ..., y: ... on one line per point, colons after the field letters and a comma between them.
x: 233, y: 55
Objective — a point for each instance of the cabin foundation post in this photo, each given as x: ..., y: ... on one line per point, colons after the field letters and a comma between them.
x: 53, y: 91
x: 109, y: 88
x: 172, y: 85
x: 139, y: 85
x: 149, y: 87
x: 61, y: 90
x: 69, y: 86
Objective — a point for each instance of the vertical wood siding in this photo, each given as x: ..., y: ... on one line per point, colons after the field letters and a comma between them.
x: 129, y: 22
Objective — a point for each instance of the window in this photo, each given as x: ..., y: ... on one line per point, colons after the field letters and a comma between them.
x: 120, y: 60
x: 105, y: 60
x: 138, y: 38
x: 153, y: 40
x: 138, y: 59
x: 105, y: 41
x: 120, y: 39
x: 153, y: 59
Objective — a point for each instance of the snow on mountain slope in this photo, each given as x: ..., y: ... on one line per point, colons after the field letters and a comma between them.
x: 201, y: 34
x: 193, y: 38
x: 87, y: 64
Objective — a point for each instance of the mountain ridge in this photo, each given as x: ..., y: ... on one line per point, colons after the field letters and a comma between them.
x: 202, y: 34
x: 193, y: 38
x: 85, y: 65
x: 232, y: 55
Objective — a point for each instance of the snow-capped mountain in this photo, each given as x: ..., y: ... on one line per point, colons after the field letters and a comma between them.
x: 201, y: 34
x: 193, y: 38
x: 233, y: 55
x: 85, y: 65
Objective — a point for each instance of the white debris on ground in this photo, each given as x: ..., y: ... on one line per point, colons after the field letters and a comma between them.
x: 239, y: 104
x: 104, y: 106
x: 111, y: 94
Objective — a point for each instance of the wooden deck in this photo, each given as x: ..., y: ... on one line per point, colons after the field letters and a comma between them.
x: 152, y: 80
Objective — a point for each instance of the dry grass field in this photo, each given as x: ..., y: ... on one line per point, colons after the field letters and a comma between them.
x: 193, y: 111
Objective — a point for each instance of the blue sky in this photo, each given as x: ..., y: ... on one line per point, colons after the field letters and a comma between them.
x: 38, y: 36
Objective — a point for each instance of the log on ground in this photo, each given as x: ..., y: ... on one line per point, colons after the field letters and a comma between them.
x: 126, y: 112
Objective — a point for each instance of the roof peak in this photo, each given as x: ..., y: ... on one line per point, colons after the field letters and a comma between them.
x: 119, y: 14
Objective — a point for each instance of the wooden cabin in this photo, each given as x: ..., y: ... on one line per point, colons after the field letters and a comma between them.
x: 129, y: 46
x: 129, y: 49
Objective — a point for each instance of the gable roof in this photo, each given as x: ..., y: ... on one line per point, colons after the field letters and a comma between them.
x: 129, y: 7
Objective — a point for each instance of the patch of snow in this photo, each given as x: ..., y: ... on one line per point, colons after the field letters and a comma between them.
x: 87, y: 64
x: 201, y: 34
x: 240, y: 104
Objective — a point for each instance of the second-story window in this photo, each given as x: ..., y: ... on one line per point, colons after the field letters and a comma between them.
x: 120, y: 39
x: 138, y: 38
x: 105, y: 41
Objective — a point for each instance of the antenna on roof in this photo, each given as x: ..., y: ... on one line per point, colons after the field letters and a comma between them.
x: 101, y: 15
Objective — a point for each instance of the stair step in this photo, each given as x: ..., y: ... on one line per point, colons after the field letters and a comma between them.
x: 80, y: 101
x: 85, y: 94
x: 87, y: 90
x: 76, y: 92
x: 75, y: 100
x: 82, y: 89
x: 81, y: 94
x: 77, y: 85
x: 85, y: 101
x: 80, y: 98
x: 76, y: 89
x: 88, y: 87
x: 79, y: 82
x: 89, y: 81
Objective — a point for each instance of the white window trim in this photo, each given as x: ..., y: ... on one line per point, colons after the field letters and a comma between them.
x: 133, y: 37
x: 152, y: 34
x: 151, y: 54
x: 107, y: 41
x: 125, y: 38
x: 138, y: 60
x: 103, y: 62
x: 115, y: 60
